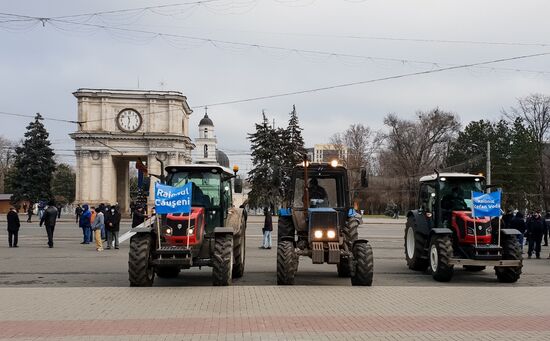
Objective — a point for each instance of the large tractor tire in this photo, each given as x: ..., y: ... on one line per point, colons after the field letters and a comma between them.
x: 511, y: 249
x: 285, y: 228
x: 474, y: 268
x: 350, y: 236
x: 287, y: 262
x: 414, y: 247
x: 441, y: 252
x: 239, y: 252
x: 168, y: 271
x: 140, y: 268
x: 363, y: 265
x: 222, y: 260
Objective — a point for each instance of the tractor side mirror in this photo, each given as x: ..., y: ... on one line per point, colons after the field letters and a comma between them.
x: 238, y: 185
x: 364, y: 178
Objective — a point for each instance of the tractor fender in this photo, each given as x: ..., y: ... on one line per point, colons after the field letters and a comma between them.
x: 223, y: 230
x: 143, y: 229
x: 234, y: 220
x: 421, y: 223
x: 360, y: 241
x: 510, y: 232
x: 441, y: 230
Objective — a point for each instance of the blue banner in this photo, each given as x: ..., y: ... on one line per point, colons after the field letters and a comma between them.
x: 170, y: 199
x: 486, y: 204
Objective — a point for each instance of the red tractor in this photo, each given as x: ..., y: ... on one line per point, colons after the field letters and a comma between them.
x: 443, y: 233
x: 213, y: 234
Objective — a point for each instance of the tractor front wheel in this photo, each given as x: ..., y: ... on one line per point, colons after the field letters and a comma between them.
x: 222, y: 260
x: 441, y: 252
x: 287, y: 262
x: 140, y: 268
x: 363, y: 265
x: 511, y: 250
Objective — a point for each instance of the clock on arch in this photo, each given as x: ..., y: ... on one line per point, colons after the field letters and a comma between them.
x: 129, y: 120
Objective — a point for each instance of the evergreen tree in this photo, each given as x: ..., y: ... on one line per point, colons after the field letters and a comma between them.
x: 264, y: 176
x: 63, y: 184
x: 292, y: 151
x: 34, y: 165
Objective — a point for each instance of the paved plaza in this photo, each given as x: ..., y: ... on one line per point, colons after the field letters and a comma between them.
x: 71, y: 292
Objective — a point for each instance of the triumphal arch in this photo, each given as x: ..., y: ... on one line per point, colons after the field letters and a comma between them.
x: 117, y: 127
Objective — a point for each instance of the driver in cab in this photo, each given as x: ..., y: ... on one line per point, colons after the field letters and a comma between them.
x: 454, y: 201
x: 316, y: 192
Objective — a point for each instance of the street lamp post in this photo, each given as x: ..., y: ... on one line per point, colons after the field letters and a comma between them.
x: 488, y: 166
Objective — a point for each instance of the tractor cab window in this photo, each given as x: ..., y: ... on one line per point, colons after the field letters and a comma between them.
x: 322, y: 192
x: 456, y: 193
x: 206, y: 187
x: 427, y: 197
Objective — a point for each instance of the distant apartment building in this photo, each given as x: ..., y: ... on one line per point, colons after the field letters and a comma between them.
x: 326, y: 153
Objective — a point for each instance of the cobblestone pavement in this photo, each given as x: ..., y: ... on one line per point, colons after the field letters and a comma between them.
x: 71, y: 292
x: 270, y: 312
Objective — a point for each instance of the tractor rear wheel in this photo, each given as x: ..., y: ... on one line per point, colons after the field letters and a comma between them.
x: 511, y: 249
x: 441, y: 252
x: 140, y: 268
x: 222, y: 260
x: 168, y: 271
x: 474, y: 268
x: 350, y: 232
x: 287, y: 262
x: 414, y: 247
x: 363, y: 265
x: 239, y: 253
x: 285, y: 227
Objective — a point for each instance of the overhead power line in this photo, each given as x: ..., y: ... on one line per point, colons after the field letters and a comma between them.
x: 54, y: 22
x: 284, y: 94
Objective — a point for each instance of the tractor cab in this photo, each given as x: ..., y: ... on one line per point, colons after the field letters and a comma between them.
x: 446, y: 201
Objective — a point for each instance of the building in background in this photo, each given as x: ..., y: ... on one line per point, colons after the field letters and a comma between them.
x: 327, y: 153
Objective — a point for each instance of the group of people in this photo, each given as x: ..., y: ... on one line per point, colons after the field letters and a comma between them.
x: 533, y: 229
x: 101, y: 222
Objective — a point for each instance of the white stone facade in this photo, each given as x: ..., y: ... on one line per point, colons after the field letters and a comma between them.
x: 206, y: 142
x: 159, y: 127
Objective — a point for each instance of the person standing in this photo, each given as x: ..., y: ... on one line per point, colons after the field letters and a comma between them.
x: 547, y: 221
x: 85, y: 224
x: 535, y: 230
x: 112, y: 226
x: 138, y: 217
x: 13, y: 227
x: 77, y: 212
x: 268, y: 228
x: 49, y: 218
x: 29, y: 213
x: 59, y: 207
x: 97, y: 226
x: 518, y: 223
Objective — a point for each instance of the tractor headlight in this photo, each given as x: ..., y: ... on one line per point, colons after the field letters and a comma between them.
x: 190, y: 232
x: 331, y: 234
x: 318, y: 234
x: 168, y: 230
x: 471, y: 231
x: 489, y: 230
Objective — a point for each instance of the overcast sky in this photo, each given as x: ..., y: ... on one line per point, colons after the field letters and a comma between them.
x: 42, y: 66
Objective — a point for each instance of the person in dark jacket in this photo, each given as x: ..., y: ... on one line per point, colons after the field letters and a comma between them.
x: 13, y: 227
x: 85, y: 224
x: 519, y: 224
x: 49, y: 218
x: 138, y: 217
x: 29, y: 213
x: 535, y: 230
x: 268, y: 227
x: 77, y: 212
x: 547, y: 221
x: 59, y: 207
x: 112, y: 226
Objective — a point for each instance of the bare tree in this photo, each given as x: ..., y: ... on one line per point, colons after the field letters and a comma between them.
x: 6, y: 159
x: 414, y: 148
x: 534, y: 110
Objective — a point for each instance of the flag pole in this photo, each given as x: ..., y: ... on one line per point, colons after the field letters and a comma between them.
x: 474, y: 216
